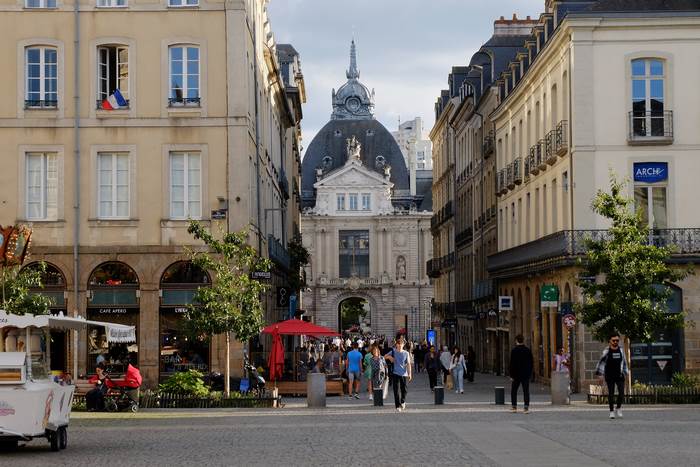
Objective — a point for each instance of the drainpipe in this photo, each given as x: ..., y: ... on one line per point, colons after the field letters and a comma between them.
x: 76, y: 202
x: 257, y: 128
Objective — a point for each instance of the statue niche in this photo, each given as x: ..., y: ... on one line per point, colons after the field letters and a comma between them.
x: 401, y: 268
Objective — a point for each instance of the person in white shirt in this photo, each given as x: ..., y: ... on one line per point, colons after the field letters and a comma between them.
x: 445, y: 361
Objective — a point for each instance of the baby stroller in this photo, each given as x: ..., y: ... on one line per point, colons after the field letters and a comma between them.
x: 123, y: 393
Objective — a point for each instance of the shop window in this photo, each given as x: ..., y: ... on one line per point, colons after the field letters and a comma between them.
x: 179, y: 351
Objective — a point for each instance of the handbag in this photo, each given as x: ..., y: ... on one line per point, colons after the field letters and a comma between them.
x: 449, y: 384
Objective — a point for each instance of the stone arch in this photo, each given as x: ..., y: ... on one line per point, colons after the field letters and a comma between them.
x: 364, y: 295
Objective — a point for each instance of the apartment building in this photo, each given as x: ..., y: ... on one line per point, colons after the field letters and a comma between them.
x: 123, y: 120
x: 601, y: 85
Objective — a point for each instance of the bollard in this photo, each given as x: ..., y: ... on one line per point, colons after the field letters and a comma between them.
x: 500, y: 394
x: 560, y: 388
x: 316, y: 390
x: 378, y: 395
x: 439, y: 395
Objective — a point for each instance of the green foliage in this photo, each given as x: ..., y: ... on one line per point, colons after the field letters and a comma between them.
x: 17, y: 297
x: 626, y: 298
x: 352, y: 311
x: 685, y: 380
x: 298, y: 259
x: 233, y: 302
x: 187, y: 382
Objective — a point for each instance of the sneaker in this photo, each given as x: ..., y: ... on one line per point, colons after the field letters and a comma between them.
x: 461, y: 392
x: 357, y: 395
x: 456, y: 391
x: 371, y: 397
x: 612, y: 415
x: 513, y: 409
x: 403, y: 406
x: 350, y: 396
x: 399, y: 409
x: 526, y: 410
x: 618, y: 413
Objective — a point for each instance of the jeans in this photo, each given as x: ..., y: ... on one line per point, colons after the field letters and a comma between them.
x: 620, y: 383
x: 514, y: 391
x: 458, y: 378
x: 399, y: 384
x: 432, y: 377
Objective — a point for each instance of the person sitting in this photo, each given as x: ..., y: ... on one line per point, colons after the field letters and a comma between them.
x: 95, y: 398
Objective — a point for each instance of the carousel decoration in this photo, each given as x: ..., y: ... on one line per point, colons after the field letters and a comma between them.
x: 14, y: 241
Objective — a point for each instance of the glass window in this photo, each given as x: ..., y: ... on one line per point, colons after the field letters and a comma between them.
x: 40, y: 4
x: 340, y: 199
x: 42, y: 77
x: 354, y: 253
x: 111, y: 3
x: 113, y: 76
x: 184, y: 75
x: 651, y: 203
x: 366, y: 201
x: 176, y: 3
x: 185, y: 185
x: 648, y: 97
x: 353, y: 201
x: 113, y: 185
x: 42, y: 186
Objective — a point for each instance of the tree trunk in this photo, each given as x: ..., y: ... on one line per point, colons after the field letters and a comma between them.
x: 628, y: 354
x: 227, y: 369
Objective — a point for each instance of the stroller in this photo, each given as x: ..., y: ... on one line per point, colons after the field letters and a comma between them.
x: 122, y: 394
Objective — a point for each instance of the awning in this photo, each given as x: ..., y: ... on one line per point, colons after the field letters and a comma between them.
x: 297, y: 327
x: 115, y: 332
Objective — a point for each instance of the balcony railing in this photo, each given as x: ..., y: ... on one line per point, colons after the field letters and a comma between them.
x: 277, y: 252
x: 550, y: 157
x: 283, y: 183
x: 184, y: 102
x: 650, y: 127
x: 501, y: 182
x: 510, y: 181
x: 465, y: 236
x: 442, y: 215
x: 532, y: 161
x: 482, y: 289
x: 561, y: 138
x: 488, y: 145
x: 99, y: 106
x: 571, y: 243
x: 40, y: 104
x: 517, y: 171
x: 540, y: 154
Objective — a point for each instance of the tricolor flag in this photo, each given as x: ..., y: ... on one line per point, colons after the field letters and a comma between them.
x: 114, y: 101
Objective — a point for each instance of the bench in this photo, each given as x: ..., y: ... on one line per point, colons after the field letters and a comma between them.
x: 291, y: 388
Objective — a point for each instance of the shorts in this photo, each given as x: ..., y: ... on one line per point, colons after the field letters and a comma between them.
x: 353, y: 376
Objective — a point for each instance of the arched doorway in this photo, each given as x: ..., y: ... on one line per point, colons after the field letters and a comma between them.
x: 178, y: 350
x: 113, y: 296
x: 354, y: 316
x: 54, y: 288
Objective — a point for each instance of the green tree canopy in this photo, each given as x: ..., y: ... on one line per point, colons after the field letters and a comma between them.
x: 18, y: 290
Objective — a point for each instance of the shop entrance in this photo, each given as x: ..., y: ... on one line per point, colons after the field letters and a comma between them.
x: 179, y: 350
x: 113, y: 297
x: 354, y: 316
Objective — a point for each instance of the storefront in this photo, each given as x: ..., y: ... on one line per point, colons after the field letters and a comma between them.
x: 179, y: 351
x: 54, y: 288
x: 113, y: 297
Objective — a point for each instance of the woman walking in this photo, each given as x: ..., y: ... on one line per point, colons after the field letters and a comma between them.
x: 457, y: 368
x: 378, y: 370
x: 432, y: 365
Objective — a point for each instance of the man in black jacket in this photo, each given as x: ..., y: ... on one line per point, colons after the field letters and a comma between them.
x: 520, y: 373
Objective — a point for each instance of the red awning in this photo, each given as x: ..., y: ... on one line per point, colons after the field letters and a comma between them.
x: 297, y: 327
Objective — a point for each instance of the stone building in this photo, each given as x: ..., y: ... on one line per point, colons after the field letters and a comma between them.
x: 368, y: 234
x: 122, y: 121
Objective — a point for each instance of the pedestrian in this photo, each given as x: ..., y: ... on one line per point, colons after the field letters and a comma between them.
x: 354, y: 364
x: 471, y: 363
x: 560, y: 361
x: 520, y: 373
x: 402, y: 373
x: 367, y: 367
x: 445, y: 360
x: 457, y: 368
x: 378, y: 369
x: 432, y: 366
x: 613, y: 368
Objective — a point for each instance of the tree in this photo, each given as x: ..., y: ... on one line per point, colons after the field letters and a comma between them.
x: 17, y: 283
x: 632, y: 274
x: 233, y: 303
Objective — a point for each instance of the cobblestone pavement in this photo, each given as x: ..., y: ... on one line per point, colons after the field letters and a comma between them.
x: 462, y: 432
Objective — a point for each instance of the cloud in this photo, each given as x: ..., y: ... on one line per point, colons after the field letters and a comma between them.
x: 406, y: 48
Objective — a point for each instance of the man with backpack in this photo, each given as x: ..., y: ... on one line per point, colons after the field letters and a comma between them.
x: 613, y: 368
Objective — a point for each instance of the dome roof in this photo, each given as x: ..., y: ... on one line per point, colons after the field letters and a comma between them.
x: 329, y: 151
x: 353, y: 100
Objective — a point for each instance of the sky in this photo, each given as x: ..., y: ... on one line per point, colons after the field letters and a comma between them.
x: 405, y: 48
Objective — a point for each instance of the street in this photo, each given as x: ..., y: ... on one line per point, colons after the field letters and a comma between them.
x: 468, y: 430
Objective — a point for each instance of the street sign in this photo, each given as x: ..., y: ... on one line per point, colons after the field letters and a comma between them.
x: 431, y: 336
x: 662, y: 364
x: 218, y: 214
x: 549, y: 296
x: 283, y: 294
x: 261, y: 275
x: 505, y: 303
x: 569, y: 321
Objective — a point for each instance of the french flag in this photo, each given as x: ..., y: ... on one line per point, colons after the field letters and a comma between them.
x: 114, y: 101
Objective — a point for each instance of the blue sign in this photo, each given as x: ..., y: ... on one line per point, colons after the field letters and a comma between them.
x: 431, y: 336
x: 292, y: 305
x: 650, y: 172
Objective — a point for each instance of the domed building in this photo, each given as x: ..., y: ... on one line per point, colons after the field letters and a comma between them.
x: 365, y: 223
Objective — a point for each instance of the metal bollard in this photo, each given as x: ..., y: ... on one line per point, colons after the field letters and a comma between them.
x: 439, y: 395
x: 500, y: 394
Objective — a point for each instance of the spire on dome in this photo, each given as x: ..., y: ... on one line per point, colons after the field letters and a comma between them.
x: 353, y: 72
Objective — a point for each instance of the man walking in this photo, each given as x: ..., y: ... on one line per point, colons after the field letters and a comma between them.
x: 432, y: 365
x: 520, y: 373
x: 401, y: 374
x: 613, y: 368
x: 445, y: 362
x: 354, y: 367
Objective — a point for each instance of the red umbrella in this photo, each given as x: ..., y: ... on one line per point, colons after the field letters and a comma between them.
x: 297, y: 327
x: 276, y: 360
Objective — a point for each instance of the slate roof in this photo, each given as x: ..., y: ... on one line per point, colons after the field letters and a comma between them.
x: 644, y: 5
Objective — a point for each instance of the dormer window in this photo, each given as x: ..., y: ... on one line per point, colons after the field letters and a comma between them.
x: 338, y: 133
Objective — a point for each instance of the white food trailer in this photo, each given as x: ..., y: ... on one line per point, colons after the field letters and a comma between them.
x: 33, y: 404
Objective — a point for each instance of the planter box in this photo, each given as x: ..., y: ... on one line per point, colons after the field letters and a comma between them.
x: 654, y: 395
